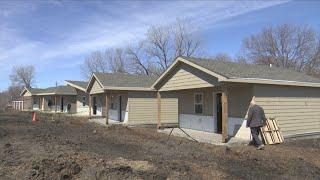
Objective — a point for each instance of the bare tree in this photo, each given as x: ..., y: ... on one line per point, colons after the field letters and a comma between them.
x: 4, y: 99
x: 95, y: 62
x: 186, y: 41
x: 14, y: 92
x: 22, y: 76
x: 287, y: 46
x: 117, y: 59
x: 151, y: 56
x: 137, y: 56
x: 165, y: 43
x: 158, y: 38
x: 224, y: 57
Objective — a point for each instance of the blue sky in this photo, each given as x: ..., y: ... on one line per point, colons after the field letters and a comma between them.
x: 56, y: 36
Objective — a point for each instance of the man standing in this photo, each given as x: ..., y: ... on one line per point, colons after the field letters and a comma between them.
x: 256, y: 119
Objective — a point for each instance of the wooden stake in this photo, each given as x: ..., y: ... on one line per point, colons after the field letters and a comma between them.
x: 224, y: 115
x: 159, y: 109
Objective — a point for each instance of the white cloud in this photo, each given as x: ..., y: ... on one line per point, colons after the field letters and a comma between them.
x: 99, y: 31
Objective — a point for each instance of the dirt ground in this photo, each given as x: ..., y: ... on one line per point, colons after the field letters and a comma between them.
x: 76, y: 149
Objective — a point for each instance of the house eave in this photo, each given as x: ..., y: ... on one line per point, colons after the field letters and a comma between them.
x: 128, y: 88
x: 75, y: 86
x: 270, y: 81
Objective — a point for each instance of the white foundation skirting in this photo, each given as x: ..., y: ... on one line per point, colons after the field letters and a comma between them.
x: 114, y: 115
x: 208, y: 123
x: 197, y: 122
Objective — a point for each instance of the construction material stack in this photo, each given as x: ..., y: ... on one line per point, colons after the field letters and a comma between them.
x: 271, y: 132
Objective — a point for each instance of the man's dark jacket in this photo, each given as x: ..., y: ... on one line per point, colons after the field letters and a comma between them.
x: 256, y: 117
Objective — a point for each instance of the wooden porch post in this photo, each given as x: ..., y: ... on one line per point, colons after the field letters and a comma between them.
x: 224, y: 100
x: 107, y: 108
x: 55, y: 104
x: 159, y: 109
x: 42, y: 108
x: 22, y: 104
x: 90, y: 106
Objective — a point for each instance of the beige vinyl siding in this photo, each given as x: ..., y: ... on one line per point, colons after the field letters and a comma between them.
x: 27, y: 94
x: 297, y: 109
x: 142, y: 107
x: 239, y: 97
x: 84, y: 110
x: 27, y: 102
x: 187, y: 77
x: 142, y: 110
x: 186, y: 100
x: 96, y: 88
x: 169, y: 111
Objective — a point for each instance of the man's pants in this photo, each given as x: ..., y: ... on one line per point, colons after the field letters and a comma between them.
x: 255, y: 135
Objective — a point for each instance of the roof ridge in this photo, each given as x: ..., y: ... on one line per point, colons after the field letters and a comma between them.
x: 192, y: 59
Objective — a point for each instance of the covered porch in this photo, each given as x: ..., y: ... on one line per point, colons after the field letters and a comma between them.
x: 56, y: 103
x: 109, y: 106
x: 205, y: 101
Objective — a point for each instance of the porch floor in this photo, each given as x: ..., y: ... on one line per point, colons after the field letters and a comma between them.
x: 200, y: 136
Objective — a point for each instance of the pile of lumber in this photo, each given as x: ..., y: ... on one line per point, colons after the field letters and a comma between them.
x: 271, y: 133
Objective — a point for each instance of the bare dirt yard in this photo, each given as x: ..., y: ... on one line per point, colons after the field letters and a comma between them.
x: 76, y: 149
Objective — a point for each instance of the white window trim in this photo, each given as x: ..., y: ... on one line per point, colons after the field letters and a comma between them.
x: 194, y: 102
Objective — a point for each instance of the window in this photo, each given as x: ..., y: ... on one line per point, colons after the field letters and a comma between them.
x: 198, y: 103
x: 84, y: 100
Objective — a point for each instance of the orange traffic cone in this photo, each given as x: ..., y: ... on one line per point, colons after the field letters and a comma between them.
x: 34, y: 116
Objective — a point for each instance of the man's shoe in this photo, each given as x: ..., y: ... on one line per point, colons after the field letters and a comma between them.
x: 251, y: 143
x: 261, y: 147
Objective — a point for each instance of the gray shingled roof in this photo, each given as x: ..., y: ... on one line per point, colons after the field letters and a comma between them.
x: 34, y: 90
x: 59, y: 90
x: 82, y: 84
x: 125, y: 80
x: 239, y: 70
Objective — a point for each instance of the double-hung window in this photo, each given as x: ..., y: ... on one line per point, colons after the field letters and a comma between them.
x: 198, y: 103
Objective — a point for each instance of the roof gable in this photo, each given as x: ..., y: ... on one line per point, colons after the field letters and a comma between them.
x: 121, y: 81
x: 184, y: 76
x: 81, y: 85
x: 59, y: 90
x: 244, y: 73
